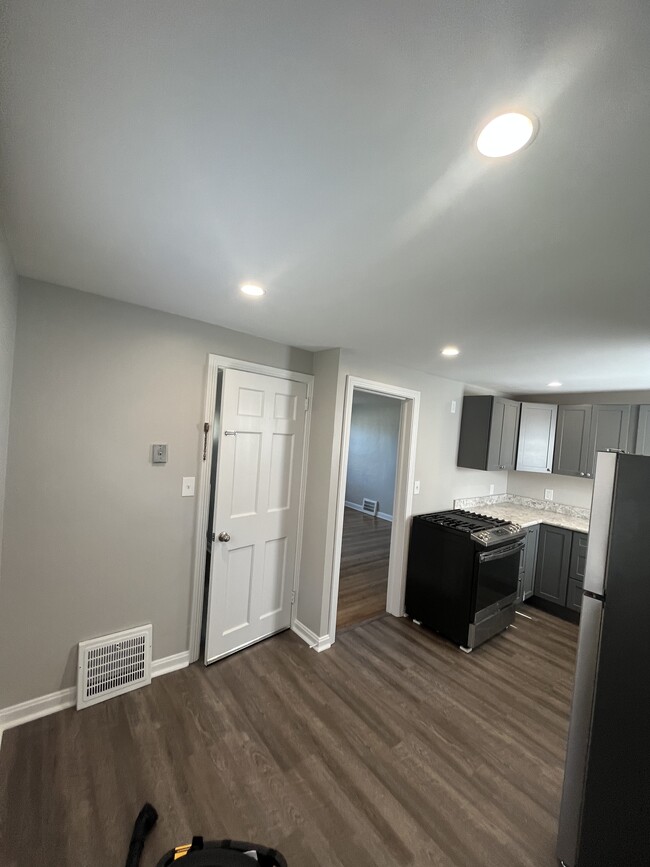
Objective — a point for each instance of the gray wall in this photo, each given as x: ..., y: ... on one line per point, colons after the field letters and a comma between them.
x: 322, y: 485
x: 8, y: 305
x: 567, y: 489
x: 97, y: 538
x: 372, y: 457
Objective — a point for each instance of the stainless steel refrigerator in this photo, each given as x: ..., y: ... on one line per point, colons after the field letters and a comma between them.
x: 605, y: 812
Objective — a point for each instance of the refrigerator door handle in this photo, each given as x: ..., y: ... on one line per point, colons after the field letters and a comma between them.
x: 591, y: 620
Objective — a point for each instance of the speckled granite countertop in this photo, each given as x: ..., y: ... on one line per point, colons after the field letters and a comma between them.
x: 526, y: 511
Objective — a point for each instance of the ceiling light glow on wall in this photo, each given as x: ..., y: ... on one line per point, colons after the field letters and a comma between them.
x: 506, y: 134
x: 554, y: 384
x: 450, y: 351
x: 252, y: 289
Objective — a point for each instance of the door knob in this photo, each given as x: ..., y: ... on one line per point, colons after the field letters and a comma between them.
x: 223, y: 536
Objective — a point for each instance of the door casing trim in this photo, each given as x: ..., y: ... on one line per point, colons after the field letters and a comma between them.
x: 404, y: 481
x: 216, y: 363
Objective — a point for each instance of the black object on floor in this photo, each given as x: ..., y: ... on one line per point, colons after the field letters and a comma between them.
x: 200, y: 853
x: 147, y: 818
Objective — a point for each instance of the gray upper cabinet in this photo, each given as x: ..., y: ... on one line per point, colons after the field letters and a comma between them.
x: 583, y: 430
x: 643, y: 432
x: 572, y: 440
x: 610, y: 429
x: 536, y: 437
x: 488, y: 433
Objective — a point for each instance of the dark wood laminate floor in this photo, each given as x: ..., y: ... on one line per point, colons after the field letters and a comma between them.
x: 363, y: 582
x: 393, y: 748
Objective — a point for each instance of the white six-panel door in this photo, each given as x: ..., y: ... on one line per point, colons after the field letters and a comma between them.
x: 256, y: 510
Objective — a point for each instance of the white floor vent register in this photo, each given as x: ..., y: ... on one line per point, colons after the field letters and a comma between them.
x: 369, y: 506
x: 113, y: 664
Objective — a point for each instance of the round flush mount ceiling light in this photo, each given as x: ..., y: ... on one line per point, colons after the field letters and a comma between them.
x: 450, y: 351
x: 253, y: 290
x: 506, y: 134
x: 554, y: 384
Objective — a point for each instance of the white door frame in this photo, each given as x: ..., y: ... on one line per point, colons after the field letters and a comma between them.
x: 215, y: 363
x: 403, y: 505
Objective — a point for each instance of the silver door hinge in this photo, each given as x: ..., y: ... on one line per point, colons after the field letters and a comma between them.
x: 306, y: 404
x: 214, y: 537
x: 293, y: 597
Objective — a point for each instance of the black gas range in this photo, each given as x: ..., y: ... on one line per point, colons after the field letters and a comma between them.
x: 463, y: 573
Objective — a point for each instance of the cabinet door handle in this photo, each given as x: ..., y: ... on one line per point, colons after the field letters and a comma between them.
x: 582, y: 474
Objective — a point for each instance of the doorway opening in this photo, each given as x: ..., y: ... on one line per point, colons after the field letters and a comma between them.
x: 374, y: 546
x: 369, y: 502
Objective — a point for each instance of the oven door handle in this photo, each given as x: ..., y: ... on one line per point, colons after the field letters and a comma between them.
x: 501, y: 552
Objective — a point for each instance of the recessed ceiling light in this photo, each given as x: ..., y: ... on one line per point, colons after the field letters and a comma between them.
x: 506, y: 134
x: 450, y: 351
x: 554, y: 384
x: 252, y: 289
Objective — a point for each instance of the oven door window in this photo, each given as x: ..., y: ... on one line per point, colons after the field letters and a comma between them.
x: 497, y: 578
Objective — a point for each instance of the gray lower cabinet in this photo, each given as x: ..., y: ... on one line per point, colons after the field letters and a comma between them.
x: 560, y: 566
x: 643, y: 431
x: 577, y: 565
x: 488, y: 433
x: 552, y: 567
x: 578, y: 557
x: 574, y: 595
x: 527, y: 566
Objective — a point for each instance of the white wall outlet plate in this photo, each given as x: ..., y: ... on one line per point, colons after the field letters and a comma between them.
x: 548, y: 493
x: 416, y: 488
x: 491, y: 489
x: 187, y: 489
x: 453, y: 406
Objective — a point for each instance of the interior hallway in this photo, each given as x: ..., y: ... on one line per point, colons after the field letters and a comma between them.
x: 363, y: 582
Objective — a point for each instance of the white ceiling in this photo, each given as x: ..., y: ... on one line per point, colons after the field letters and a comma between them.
x: 161, y: 152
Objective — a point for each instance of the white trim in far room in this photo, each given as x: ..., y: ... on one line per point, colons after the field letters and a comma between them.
x: 359, y: 508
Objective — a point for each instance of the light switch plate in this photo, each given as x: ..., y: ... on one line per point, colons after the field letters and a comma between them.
x: 187, y: 489
x: 453, y: 406
x: 416, y: 488
x: 159, y: 453
x: 548, y: 493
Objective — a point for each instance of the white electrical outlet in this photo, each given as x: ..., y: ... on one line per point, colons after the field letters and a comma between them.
x: 453, y: 406
x: 491, y: 489
x: 548, y: 493
x: 187, y: 489
x: 416, y: 488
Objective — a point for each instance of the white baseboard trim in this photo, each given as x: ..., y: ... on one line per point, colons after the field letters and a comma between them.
x: 44, y: 705
x: 383, y: 515
x: 170, y: 663
x: 317, y: 643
